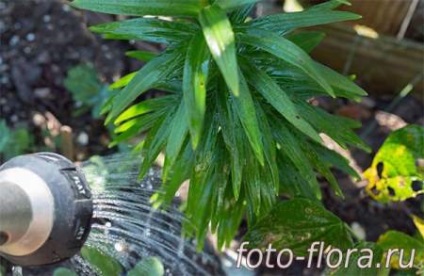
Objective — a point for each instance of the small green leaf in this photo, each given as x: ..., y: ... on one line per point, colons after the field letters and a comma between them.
x: 146, y: 29
x: 104, y: 263
x: 141, y: 7
x: 220, y: 39
x: 151, y: 266
x: 63, y: 272
x: 296, y: 224
x: 411, y: 247
x: 233, y: 4
x: 194, y: 85
x: 396, y: 166
x: 285, y: 50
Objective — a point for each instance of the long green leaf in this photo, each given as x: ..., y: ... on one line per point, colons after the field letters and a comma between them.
x: 142, y: 7
x: 278, y: 98
x: 194, y: 85
x: 245, y: 108
x: 221, y: 41
x: 291, y: 149
x: 286, y: 22
x: 145, y: 107
x: 148, y: 29
x: 123, y: 81
x: 343, y: 86
x: 177, y: 135
x: 141, y: 55
x: 149, y: 75
x: 228, y: 5
x: 229, y: 123
x: 285, y: 50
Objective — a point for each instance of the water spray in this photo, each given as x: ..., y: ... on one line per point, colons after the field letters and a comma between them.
x: 50, y: 209
x: 45, y: 209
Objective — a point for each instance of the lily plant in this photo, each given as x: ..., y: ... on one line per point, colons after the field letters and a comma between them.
x: 235, y: 117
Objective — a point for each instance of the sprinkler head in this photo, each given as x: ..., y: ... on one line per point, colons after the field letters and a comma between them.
x: 45, y: 209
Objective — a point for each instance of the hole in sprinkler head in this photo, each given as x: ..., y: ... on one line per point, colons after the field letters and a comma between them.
x: 4, y: 237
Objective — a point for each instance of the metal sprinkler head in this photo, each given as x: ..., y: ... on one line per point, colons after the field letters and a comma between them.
x: 45, y: 209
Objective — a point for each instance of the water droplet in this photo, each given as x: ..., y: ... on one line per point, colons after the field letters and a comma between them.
x: 30, y: 37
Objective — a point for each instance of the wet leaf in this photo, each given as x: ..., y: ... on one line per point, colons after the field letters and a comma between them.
x: 233, y: 138
x: 195, y: 77
x: 245, y: 108
x: 296, y: 224
x: 141, y: 7
x: 412, y: 248
x: 102, y: 262
x: 151, y: 266
x: 395, y: 174
x: 220, y: 38
x: 177, y: 135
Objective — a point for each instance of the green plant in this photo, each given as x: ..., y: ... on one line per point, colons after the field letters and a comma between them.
x: 86, y: 89
x: 13, y: 142
x: 235, y: 118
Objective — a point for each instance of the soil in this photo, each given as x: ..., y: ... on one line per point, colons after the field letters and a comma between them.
x: 41, y: 40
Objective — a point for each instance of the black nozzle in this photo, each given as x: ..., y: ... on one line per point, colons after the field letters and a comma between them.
x: 45, y: 209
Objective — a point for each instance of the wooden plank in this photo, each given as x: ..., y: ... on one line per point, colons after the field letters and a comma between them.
x: 383, y: 65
